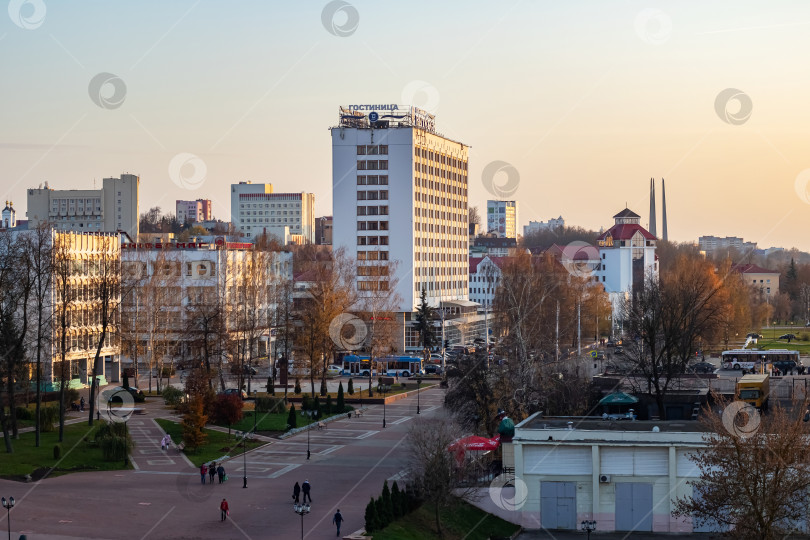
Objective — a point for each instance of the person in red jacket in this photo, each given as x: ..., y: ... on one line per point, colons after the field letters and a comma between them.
x: 223, y: 509
x: 203, y: 471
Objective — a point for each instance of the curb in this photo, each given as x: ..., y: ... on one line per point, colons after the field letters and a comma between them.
x: 335, y: 418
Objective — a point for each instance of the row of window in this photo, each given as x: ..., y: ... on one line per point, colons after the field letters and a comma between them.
x: 372, y: 165
x: 453, y: 187
x: 372, y: 150
x: 381, y: 285
x: 269, y: 205
x: 372, y: 180
x: 373, y: 195
x: 372, y: 225
x: 372, y: 240
x: 442, y: 271
x: 270, y: 213
x: 372, y: 255
x: 444, y: 159
x: 372, y: 210
x: 375, y: 271
x: 439, y: 286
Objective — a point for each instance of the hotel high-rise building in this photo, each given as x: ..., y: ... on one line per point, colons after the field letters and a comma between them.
x: 502, y: 218
x: 399, y: 192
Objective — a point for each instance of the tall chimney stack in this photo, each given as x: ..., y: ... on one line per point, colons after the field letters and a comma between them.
x: 652, y: 207
x: 664, y: 208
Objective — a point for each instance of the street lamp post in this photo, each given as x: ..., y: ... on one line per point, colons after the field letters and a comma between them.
x: 126, y: 436
x: 587, y: 526
x: 418, y: 385
x: 309, y: 415
x: 8, y: 505
x: 383, y: 390
x: 301, y: 510
x: 244, y: 460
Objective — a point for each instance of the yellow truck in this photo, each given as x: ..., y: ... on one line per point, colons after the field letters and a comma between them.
x: 754, y: 389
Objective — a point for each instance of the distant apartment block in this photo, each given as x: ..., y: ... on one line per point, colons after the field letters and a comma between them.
x: 502, y: 218
x: 323, y: 231
x: 537, y: 226
x: 714, y: 243
x: 112, y: 208
x: 193, y: 211
x: 256, y: 210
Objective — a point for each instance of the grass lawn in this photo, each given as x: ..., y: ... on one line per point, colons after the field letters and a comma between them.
x: 77, y: 455
x: 277, y: 421
x: 219, y: 444
x: 463, y: 521
x: 770, y: 341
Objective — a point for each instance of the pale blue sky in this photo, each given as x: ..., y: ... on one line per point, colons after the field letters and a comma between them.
x: 583, y: 98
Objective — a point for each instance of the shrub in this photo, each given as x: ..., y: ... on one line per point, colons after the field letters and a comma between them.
x: 71, y: 395
x: 49, y: 418
x: 306, y: 403
x: 316, y: 406
x: 387, y: 504
x: 382, y: 518
x: 297, y: 389
x: 804, y: 336
x: 193, y: 423
x: 371, y: 516
x: 341, y: 405
x: 271, y: 387
x: 328, y: 404
x: 173, y: 396
x: 269, y: 404
x: 114, y: 440
x: 323, y: 389
x: 292, y: 421
x: 227, y: 409
x: 24, y: 413
x: 351, y: 387
x: 57, y: 451
x: 396, y: 501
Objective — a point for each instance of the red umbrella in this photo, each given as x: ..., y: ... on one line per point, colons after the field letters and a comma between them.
x: 474, y: 443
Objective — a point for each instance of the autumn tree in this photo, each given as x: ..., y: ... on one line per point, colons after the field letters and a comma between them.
x: 752, y: 473
x: 425, y: 316
x: 435, y: 472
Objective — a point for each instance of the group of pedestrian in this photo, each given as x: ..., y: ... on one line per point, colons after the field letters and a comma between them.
x: 303, y: 488
x: 212, y: 470
x: 165, y: 442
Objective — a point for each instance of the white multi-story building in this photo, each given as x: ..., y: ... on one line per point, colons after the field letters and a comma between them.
x: 485, y: 274
x: 173, y: 283
x: 399, y: 192
x: 714, y: 243
x: 112, y: 208
x: 256, y: 210
x: 626, y: 258
x: 537, y: 226
x: 194, y: 211
x: 502, y: 218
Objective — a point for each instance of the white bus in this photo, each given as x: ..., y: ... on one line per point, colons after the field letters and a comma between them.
x: 754, y: 358
x: 399, y: 366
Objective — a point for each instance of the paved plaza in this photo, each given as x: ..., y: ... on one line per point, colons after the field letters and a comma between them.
x: 163, y: 498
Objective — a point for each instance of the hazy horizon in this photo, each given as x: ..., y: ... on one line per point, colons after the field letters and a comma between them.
x: 586, y: 101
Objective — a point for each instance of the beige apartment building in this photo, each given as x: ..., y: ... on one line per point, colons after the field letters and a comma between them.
x: 112, y: 208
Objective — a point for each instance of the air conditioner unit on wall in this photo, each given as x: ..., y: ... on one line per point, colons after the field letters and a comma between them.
x: 604, y: 478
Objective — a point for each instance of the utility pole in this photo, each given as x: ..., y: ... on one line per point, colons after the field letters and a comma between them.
x: 579, y: 330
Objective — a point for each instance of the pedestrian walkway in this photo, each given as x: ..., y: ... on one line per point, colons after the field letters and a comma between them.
x: 148, y: 455
x: 596, y: 535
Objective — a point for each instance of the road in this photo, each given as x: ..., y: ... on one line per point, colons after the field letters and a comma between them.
x: 164, y: 499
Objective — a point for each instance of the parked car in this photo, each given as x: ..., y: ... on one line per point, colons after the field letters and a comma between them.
x: 334, y: 371
x: 618, y: 350
x: 235, y: 391
x: 785, y: 366
x: 433, y: 370
x: 701, y: 367
x: 754, y: 335
x: 788, y: 337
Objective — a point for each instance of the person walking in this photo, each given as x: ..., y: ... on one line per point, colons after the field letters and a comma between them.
x: 296, y: 493
x: 337, y: 519
x: 305, y: 487
x: 212, y: 471
x: 221, y: 473
x: 81, y: 404
x: 224, y: 511
x: 203, y: 472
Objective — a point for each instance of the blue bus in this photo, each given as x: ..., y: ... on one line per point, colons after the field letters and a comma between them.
x: 357, y: 365
x: 399, y: 366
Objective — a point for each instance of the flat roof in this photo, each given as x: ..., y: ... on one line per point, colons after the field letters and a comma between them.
x: 596, y: 423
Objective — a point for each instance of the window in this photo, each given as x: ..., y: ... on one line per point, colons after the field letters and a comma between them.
x: 383, y: 164
x: 361, y: 165
x: 361, y: 180
x: 361, y: 150
x: 384, y: 149
x: 383, y: 180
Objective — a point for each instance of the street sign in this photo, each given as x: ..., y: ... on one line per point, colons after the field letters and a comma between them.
x: 593, y: 354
